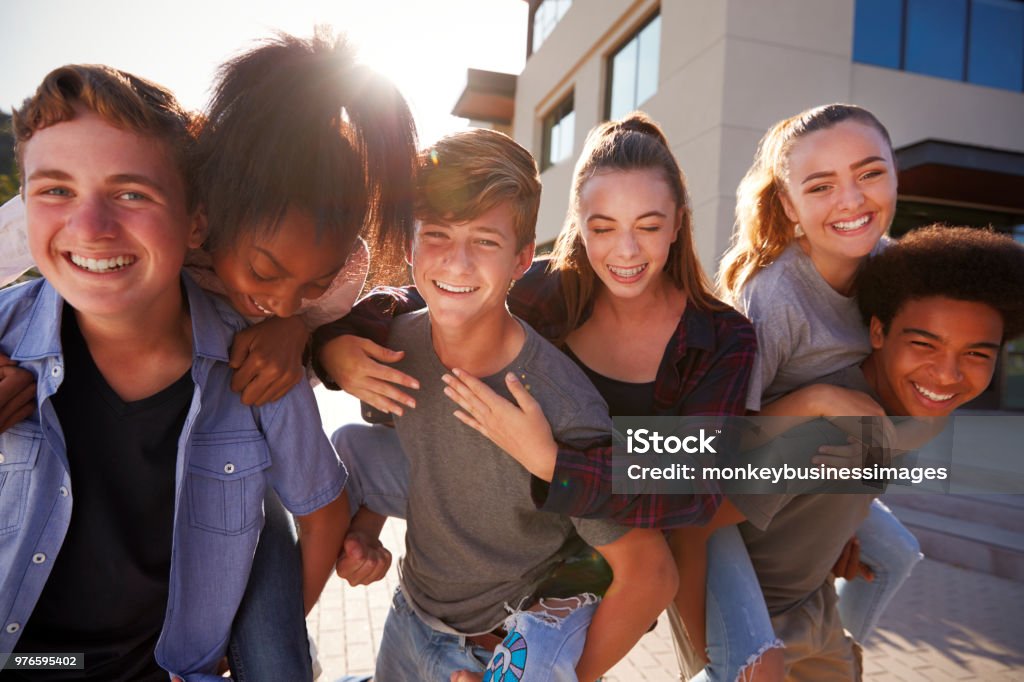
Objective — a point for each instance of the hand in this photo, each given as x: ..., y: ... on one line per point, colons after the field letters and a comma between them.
x: 849, y: 566
x: 520, y: 429
x: 466, y: 676
x: 363, y: 559
x: 267, y: 359
x: 849, y: 456
x: 355, y: 365
x: 17, y: 393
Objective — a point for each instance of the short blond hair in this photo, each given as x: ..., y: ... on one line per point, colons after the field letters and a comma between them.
x: 470, y: 172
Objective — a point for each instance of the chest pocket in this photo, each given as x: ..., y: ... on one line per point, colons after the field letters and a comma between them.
x: 19, y: 450
x: 226, y: 482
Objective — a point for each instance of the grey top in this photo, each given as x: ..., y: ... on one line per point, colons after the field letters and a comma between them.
x: 794, y: 540
x: 805, y: 328
x: 475, y: 541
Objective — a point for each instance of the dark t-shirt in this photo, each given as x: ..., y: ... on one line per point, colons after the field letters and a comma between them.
x: 107, y: 593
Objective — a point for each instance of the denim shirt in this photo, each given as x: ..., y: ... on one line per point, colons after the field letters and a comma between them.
x: 227, y: 454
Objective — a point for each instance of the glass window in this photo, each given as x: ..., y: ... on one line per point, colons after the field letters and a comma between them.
x: 936, y: 37
x: 878, y: 32
x: 996, y: 52
x: 634, y: 70
x: 545, y: 18
x: 559, y: 133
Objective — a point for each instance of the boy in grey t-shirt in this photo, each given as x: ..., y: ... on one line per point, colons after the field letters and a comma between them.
x: 476, y: 547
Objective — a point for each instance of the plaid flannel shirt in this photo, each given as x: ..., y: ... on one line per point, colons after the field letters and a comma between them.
x: 704, y: 372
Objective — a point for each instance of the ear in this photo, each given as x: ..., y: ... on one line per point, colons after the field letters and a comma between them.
x: 198, y: 228
x: 876, y: 332
x: 787, y: 207
x: 524, y: 259
x: 679, y: 224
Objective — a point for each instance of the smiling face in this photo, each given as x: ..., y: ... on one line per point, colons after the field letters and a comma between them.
x: 107, y: 219
x: 628, y: 221
x: 271, y: 274
x: 464, y: 270
x: 939, y: 354
x: 841, y: 190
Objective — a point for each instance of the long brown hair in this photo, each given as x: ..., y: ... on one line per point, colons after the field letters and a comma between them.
x: 632, y: 143
x: 763, y: 231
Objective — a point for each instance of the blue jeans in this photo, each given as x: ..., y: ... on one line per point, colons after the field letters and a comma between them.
x: 739, y: 629
x: 891, y: 551
x: 268, y: 637
x: 540, y: 647
x: 378, y: 468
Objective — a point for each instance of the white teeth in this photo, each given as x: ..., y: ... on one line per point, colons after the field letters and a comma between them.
x: 444, y: 286
x: 260, y: 308
x: 627, y: 272
x: 852, y: 224
x: 937, y: 397
x: 102, y: 264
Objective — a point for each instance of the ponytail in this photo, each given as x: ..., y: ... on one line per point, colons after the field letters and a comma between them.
x: 297, y: 124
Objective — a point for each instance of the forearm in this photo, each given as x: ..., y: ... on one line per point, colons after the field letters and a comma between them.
x: 582, y: 486
x: 320, y: 539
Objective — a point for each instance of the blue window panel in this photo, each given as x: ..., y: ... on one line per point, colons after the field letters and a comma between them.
x: 996, y: 53
x: 878, y: 32
x: 936, y: 37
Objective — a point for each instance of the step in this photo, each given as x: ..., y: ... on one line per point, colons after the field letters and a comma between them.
x: 969, y: 544
x: 1005, y: 512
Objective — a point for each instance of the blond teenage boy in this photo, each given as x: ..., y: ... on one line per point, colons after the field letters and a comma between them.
x: 476, y: 547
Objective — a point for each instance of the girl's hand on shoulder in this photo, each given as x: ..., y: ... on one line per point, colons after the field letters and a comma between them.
x: 466, y: 676
x: 519, y: 428
x: 357, y: 366
x: 17, y: 393
x: 267, y: 359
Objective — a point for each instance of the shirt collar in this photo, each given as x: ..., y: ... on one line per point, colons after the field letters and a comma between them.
x: 213, y: 324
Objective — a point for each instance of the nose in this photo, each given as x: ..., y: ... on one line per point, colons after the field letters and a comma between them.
x: 946, y: 369
x: 627, y: 246
x: 286, y: 301
x: 459, y: 258
x: 92, y: 219
x: 850, y: 196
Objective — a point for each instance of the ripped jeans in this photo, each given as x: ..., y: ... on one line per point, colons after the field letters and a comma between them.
x: 739, y: 629
x: 540, y: 647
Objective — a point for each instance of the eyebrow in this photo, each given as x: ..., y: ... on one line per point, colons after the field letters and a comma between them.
x: 649, y: 214
x: 935, y: 337
x: 853, y: 166
x: 119, y: 179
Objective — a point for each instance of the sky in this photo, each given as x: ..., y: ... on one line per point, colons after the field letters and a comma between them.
x: 424, y: 46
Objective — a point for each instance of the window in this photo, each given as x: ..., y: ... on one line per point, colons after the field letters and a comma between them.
x: 633, y: 70
x: 545, y: 18
x: 559, y: 132
x: 979, y: 41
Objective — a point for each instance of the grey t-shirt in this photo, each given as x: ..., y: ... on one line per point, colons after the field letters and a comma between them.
x: 805, y: 328
x: 794, y: 540
x: 475, y: 541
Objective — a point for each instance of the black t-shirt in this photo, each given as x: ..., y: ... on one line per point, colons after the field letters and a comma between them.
x: 107, y: 593
x: 624, y: 398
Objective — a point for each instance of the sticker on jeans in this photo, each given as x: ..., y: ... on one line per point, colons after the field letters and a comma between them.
x: 509, y: 661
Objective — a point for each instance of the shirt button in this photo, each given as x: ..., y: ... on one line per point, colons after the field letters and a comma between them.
x: 229, y: 468
x: 63, y: 491
x: 55, y: 370
x: 38, y: 558
x: 12, y: 628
